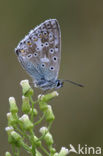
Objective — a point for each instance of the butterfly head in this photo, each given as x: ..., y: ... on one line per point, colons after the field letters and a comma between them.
x: 59, y: 84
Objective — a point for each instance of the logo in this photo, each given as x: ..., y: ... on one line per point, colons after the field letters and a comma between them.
x: 85, y: 150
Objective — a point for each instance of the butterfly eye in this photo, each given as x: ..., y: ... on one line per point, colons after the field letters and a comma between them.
x: 29, y: 56
x: 51, y: 50
x: 35, y: 54
x: 51, y: 68
x: 46, y: 44
x: 43, y: 65
x: 54, y: 58
x: 17, y: 51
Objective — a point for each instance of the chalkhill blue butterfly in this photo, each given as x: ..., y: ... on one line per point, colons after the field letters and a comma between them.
x: 39, y: 54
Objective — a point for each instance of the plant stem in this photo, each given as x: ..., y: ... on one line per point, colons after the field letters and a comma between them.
x: 18, y: 151
x: 40, y: 120
x: 32, y: 104
x: 13, y: 149
x: 44, y: 150
x: 26, y: 147
x: 33, y: 143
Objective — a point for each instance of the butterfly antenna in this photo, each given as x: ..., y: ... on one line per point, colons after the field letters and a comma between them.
x: 77, y: 84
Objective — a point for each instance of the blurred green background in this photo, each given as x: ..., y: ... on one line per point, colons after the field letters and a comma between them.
x: 78, y: 111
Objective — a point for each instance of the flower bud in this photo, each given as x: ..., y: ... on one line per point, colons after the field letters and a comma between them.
x: 25, y: 122
x: 26, y: 88
x: 13, y: 106
x: 37, y: 142
x: 25, y: 105
x: 49, y: 96
x: 56, y: 154
x: 38, y: 153
x: 52, y: 150
x: 35, y: 112
x: 39, y: 96
x: 63, y: 152
x: 16, y: 138
x: 12, y: 118
x: 43, y: 106
x: 49, y: 114
x: 9, y: 129
x: 48, y: 139
x: 43, y: 130
x: 9, y: 116
x: 7, y: 154
x: 35, y: 138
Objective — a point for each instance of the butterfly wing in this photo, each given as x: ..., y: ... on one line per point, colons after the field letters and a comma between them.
x: 40, y: 51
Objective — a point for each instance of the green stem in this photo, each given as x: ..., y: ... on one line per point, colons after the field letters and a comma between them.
x: 33, y: 143
x: 44, y: 150
x: 26, y: 147
x: 22, y: 132
x: 32, y: 104
x: 40, y: 120
x: 18, y: 151
x: 13, y: 149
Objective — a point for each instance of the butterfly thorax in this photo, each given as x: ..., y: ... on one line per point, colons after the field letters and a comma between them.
x: 46, y: 85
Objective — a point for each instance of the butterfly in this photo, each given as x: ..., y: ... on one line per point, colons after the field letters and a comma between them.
x: 40, y: 53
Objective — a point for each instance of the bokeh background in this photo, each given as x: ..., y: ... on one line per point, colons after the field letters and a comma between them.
x: 78, y: 111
